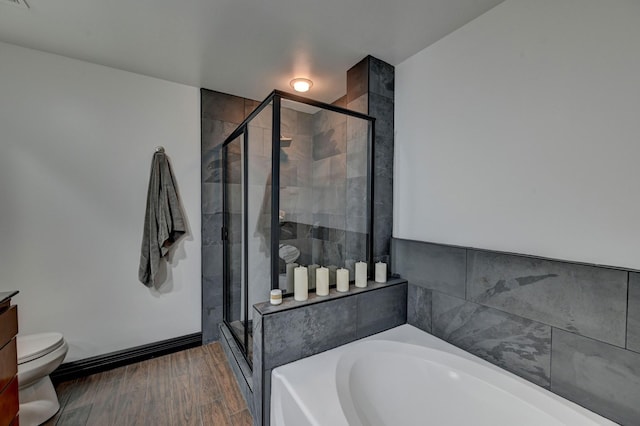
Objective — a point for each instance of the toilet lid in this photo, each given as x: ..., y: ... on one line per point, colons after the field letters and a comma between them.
x: 33, y: 346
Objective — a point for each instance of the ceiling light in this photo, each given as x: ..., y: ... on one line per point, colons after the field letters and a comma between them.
x: 301, y: 84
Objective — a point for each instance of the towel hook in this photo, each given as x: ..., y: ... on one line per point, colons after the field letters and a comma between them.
x: 159, y: 148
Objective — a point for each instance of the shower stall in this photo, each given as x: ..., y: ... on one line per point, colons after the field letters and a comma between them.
x: 297, y: 190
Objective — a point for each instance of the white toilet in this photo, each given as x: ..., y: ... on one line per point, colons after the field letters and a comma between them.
x: 38, y: 355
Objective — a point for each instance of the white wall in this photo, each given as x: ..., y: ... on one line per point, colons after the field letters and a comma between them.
x: 76, y: 142
x: 521, y: 132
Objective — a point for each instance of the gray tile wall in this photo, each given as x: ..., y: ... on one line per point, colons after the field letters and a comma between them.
x: 572, y: 328
x: 295, y: 333
x: 220, y: 115
x: 633, y: 323
x: 370, y: 89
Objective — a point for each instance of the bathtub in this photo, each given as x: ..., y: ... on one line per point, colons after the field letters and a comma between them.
x: 404, y: 377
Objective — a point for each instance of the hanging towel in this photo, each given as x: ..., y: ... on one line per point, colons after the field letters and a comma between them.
x: 163, y: 221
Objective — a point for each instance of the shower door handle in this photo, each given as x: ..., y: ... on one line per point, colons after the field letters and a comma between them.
x: 224, y: 234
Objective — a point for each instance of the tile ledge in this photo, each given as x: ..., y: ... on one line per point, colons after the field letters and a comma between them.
x: 266, y: 308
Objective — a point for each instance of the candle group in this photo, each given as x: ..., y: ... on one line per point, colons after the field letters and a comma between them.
x: 301, y: 279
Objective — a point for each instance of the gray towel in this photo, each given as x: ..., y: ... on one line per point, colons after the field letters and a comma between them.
x: 163, y: 221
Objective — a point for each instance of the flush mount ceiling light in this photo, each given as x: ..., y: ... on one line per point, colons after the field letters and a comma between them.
x: 301, y: 84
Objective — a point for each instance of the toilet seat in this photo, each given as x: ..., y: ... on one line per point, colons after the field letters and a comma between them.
x: 34, y: 346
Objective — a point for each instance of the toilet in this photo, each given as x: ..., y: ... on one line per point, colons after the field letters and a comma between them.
x: 38, y: 355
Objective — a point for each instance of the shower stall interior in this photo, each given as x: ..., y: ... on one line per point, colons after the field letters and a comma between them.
x: 297, y: 190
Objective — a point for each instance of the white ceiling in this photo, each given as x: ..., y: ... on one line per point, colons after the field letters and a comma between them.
x: 243, y: 47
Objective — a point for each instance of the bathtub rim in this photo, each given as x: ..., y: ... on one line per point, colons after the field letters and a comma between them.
x: 304, y: 388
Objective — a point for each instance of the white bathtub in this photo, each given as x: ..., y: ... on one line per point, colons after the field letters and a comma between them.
x: 404, y: 377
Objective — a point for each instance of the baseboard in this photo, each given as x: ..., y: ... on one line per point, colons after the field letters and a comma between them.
x: 85, y: 367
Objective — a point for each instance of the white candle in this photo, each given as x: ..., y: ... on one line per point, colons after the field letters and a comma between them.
x: 322, y: 281
x: 290, y: 268
x: 381, y: 272
x: 361, y: 274
x: 342, y: 276
x: 276, y: 297
x: 301, y: 284
x: 312, y: 276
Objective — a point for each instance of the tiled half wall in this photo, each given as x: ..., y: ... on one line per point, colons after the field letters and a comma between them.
x: 295, y: 330
x: 568, y: 327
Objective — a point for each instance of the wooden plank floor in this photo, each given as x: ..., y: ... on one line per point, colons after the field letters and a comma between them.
x: 192, y: 387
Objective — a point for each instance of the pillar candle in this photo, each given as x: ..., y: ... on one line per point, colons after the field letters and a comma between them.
x: 301, y: 284
x: 312, y: 276
x: 342, y: 277
x: 381, y: 272
x: 322, y: 281
x: 361, y: 274
x: 275, y: 297
x: 290, y: 268
x: 332, y: 274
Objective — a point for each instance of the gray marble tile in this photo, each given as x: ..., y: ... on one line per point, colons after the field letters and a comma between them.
x: 357, y: 164
x: 297, y: 333
x: 419, y: 307
x: 330, y: 142
x: 633, y: 321
x: 384, y: 157
x: 381, y: 310
x: 221, y: 106
x: 212, y: 291
x: 305, y: 124
x: 211, y: 199
x: 212, y: 260
x: 211, y: 318
x: 266, y: 404
x: 516, y: 344
x: 382, y: 229
x: 215, y: 132
x: 432, y: 266
x: 258, y: 368
x: 211, y: 226
x: 356, y: 242
x: 381, y: 77
x: 382, y: 109
x: 356, y: 196
x: 598, y: 376
x: 329, y: 325
x: 587, y: 300
x: 288, y: 122
x: 358, y: 80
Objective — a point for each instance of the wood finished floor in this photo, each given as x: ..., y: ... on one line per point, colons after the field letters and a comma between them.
x: 192, y: 387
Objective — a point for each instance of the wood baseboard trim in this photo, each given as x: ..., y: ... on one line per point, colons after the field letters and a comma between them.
x: 85, y: 367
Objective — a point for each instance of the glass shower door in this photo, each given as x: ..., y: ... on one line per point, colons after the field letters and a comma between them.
x: 233, y: 236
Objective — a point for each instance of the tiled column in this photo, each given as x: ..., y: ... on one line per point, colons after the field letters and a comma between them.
x: 370, y: 90
x: 220, y: 115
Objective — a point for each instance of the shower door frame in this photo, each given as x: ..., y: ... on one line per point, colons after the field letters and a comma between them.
x: 226, y: 263
x: 275, y: 99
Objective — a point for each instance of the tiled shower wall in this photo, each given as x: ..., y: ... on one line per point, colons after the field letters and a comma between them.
x: 220, y: 115
x: 571, y: 328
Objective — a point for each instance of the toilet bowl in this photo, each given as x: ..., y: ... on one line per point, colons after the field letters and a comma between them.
x: 38, y: 355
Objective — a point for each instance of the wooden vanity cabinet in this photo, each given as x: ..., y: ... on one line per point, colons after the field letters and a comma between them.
x: 8, y: 364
